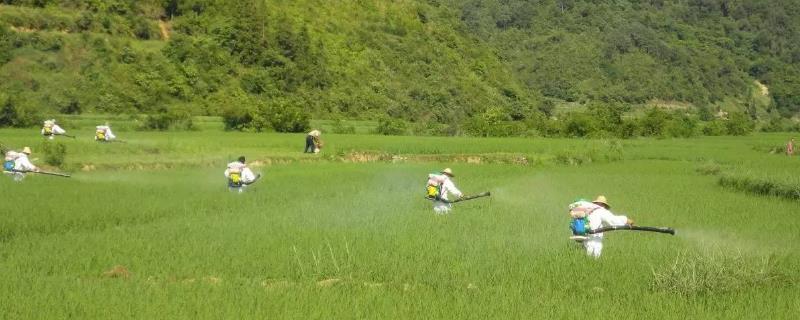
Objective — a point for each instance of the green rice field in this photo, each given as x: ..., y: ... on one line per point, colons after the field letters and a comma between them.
x: 148, y: 230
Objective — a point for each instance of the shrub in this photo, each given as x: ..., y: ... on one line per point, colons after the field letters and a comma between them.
x: 680, y: 126
x: 258, y: 82
x: 236, y: 118
x: 739, y: 124
x: 579, y: 125
x: 609, y: 115
x: 69, y: 104
x: 7, y: 38
x: 391, y: 127
x: 55, y: 153
x: 237, y: 108
x: 85, y: 21
x: 628, y: 129
x: 705, y: 114
x: 494, y: 122
x: 13, y: 114
x: 430, y: 128
x: 544, y: 126
x: 653, y: 122
x: 778, y: 124
x: 283, y: 116
x: 482, y: 128
x: 715, y: 128
x: 165, y: 120
x: 143, y: 29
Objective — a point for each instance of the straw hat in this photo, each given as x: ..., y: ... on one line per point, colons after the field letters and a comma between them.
x: 448, y: 172
x: 26, y: 150
x: 601, y: 200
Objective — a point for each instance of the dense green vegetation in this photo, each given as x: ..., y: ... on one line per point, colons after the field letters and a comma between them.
x: 478, y: 67
x: 147, y: 229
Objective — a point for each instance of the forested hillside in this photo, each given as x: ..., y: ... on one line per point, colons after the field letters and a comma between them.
x: 480, y: 67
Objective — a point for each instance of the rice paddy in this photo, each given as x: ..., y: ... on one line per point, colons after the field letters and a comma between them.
x: 148, y: 230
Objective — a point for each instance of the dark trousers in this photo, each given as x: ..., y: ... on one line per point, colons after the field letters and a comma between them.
x: 310, y: 146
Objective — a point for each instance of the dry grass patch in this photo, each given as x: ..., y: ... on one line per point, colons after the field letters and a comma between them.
x: 118, y: 271
x: 328, y: 282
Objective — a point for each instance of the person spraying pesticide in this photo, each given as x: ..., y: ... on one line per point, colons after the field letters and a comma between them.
x: 239, y: 175
x: 17, y: 163
x: 104, y: 134
x: 591, y: 219
x: 50, y: 129
x: 440, y: 185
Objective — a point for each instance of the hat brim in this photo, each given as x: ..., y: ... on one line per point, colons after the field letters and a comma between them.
x: 448, y: 174
x: 600, y: 203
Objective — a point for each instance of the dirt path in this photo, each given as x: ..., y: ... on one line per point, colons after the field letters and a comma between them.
x: 164, y: 27
x: 764, y: 90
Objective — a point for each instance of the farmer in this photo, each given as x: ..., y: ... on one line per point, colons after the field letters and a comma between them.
x: 313, y: 143
x: 239, y: 175
x: 439, y: 186
x: 18, y: 163
x: 594, y: 215
x: 50, y: 129
x: 790, y: 148
x: 103, y: 134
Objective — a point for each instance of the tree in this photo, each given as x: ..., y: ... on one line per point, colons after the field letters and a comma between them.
x: 739, y: 124
x: 653, y: 122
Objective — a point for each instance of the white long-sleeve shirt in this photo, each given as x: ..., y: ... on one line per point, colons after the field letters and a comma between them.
x: 449, y: 187
x: 55, y: 129
x: 22, y: 163
x: 58, y: 130
x: 247, y: 175
x: 602, y: 217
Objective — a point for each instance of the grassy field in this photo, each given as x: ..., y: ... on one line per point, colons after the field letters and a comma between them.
x: 346, y: 234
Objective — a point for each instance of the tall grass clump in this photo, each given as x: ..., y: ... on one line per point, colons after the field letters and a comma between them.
x: 765, y: 186
x: 168, y: 119
x: 341, y: 128
x: 55, y: 153
x: 715, y: 273
x: 600, y: 151
x: 323, y: 262
x: 709, y: 168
